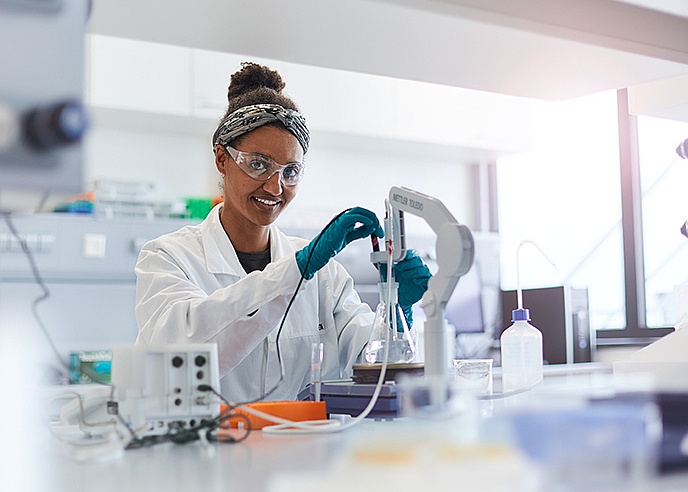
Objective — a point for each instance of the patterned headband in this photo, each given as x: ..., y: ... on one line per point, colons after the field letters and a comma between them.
x: 248, y: 118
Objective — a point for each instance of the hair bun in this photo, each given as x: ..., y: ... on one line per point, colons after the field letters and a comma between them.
x: 253, y: 76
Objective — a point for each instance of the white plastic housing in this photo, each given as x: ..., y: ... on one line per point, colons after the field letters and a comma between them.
x: 156, y: 387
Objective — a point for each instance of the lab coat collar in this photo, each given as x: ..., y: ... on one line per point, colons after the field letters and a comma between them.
x: 220, y: 255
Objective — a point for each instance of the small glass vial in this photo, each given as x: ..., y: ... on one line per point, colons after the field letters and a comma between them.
x: 402, y: 343
x: 521, y: 349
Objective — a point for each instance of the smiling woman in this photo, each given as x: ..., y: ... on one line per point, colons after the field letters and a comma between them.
x: 233, y: 278
x: 261, y: 128
x: 251, y: 203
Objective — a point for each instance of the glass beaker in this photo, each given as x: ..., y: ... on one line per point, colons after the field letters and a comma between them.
x: 475, y: 374
x: 390, y: 326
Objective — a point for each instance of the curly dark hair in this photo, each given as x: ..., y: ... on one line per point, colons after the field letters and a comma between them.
x: 256, y: 84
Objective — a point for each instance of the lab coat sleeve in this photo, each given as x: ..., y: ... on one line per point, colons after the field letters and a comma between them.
x: 172, y: 308
x: 352, y: 318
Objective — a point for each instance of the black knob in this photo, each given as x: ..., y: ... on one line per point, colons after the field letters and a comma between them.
x: 200, y: 360
x: 55, y: 125
x: 177, y: 361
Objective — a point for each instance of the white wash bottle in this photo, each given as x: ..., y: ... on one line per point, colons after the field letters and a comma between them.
x: 521, y: 349
x: 521, y: 343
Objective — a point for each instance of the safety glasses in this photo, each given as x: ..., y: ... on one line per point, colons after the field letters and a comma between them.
x: 261, y: 167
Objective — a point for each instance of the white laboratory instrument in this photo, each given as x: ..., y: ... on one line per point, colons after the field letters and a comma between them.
x: 455, y: 251
x: 158, y: 387
x: 155, y: 390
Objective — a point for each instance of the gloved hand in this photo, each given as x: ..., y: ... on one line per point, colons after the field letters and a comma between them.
x: 412, y: 275
x: 349, y: 226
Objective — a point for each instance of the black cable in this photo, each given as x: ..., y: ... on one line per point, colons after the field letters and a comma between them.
x: 34, y: 309
x: 227, y: 439
x: 184, y: 435
x: 286, y: 311
x: 212, y: 433
x: 92, y: 375
x: 146, y: 441
x: 207, y: 387
x: 38, y: 279
x: 178, y: 434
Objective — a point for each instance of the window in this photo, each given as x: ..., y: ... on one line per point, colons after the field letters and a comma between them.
x: 664, y: 181
x: 603, y: 193
x: 564, y: 194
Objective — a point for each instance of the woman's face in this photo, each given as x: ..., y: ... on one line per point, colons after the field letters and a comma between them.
x: 249, y: 202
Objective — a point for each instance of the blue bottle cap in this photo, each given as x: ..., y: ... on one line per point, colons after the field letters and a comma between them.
x: 520, y: 315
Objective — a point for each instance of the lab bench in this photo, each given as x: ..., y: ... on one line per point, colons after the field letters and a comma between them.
x: 402, y: 453
x: 264, y: 463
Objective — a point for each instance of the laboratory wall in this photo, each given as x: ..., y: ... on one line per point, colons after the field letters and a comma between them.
x: 155, y: 107
x: 182, y: 166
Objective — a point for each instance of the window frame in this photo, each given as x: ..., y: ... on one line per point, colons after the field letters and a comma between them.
x: 636, y: 330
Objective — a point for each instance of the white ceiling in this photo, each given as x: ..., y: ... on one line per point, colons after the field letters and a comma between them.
x: 549, y: 49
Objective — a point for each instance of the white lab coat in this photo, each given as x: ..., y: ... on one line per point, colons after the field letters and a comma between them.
x: 191, y: 288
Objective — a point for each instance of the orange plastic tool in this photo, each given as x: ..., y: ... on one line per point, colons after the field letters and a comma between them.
x: 297, y: 411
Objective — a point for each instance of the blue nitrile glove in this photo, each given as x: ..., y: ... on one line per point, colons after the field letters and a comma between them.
x: 412, y: 275
x: 349, y: 226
